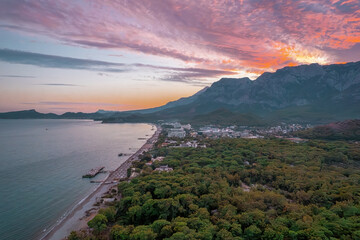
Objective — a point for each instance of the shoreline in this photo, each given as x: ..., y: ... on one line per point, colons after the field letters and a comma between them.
x: 75, y: 219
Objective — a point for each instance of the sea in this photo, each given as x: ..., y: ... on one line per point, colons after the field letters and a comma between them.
x: 42, y: 163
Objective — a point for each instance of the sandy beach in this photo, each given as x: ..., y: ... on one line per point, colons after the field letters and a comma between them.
x: 77, y: 218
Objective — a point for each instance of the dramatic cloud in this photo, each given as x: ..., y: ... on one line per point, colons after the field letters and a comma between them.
x: 52, y: 61
x: 192, y: 75
x: 247, y: 35
x: 59, y: 84
x: 16, y: 76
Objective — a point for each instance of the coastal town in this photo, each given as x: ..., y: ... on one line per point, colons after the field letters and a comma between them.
x: 152, y: 159
x: 177, y: 130
x: 175, y: 135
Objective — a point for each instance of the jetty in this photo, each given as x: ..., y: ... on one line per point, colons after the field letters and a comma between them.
x: 93, y: 172
x: 124, y: 154
x: 96, y: 181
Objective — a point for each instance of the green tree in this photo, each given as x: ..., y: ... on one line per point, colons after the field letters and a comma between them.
x: 271, y: 234
x: 158, y: 225
x: 224, y: 235
x: 109, y: 213
x: 142, y: 233
x: 166, y: 231
x: 356, y: 235
x: 252, y: 232
x: 236, y: 229
x: 74, y: 236
x: 135, y: 214
x: 98, y: 223
x: 120, y: 232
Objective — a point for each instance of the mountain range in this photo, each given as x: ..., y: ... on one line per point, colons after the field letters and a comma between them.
x: 304, y: 94
x: 33, y: 114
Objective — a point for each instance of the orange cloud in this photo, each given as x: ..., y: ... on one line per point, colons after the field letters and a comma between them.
x: 261, y: 35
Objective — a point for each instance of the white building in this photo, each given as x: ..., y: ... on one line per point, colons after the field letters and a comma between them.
x: 164, y: 168
x: 176, y: 132
x: 187, y: 126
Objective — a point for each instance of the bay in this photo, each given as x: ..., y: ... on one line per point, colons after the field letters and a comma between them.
x: 41, y: 164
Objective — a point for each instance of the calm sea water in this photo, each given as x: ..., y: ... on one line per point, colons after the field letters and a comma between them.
x: 41, y: 164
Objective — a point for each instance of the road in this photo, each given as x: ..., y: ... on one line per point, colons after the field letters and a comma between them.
x: 121, y: 172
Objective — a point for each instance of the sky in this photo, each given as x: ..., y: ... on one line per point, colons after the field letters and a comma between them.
x: 59, y: 55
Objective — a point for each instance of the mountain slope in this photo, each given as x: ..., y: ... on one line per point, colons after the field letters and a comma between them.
x: 345, y: 130
x: 307, y: 93
x: 226, y: 117
x: 180, y: 102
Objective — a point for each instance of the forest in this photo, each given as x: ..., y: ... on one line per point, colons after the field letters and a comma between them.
x: 239, y: 189
x: 345, y: 130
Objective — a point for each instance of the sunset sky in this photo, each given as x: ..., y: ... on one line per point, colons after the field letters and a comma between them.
x: 61, y: 55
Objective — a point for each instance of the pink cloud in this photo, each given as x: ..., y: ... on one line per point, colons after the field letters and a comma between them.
x: 251, y: 35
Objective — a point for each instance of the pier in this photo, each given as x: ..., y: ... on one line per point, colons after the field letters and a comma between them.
x: 93, y: 172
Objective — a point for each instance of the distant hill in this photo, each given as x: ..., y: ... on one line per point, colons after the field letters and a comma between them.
x: 345, y: 130
x: 132, y: 118
x: 33, y: 114
x: 81, y: 115
x: 28, y: 114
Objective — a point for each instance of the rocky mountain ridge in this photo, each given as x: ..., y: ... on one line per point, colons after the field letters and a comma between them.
x: 306, y: 93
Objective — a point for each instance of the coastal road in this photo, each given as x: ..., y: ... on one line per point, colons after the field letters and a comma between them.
x: 121, y: 172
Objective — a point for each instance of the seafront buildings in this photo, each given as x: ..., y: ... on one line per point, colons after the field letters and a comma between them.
x: 177, y: 130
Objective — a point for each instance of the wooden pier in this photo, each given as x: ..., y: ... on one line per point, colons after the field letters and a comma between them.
x: 93, y: 172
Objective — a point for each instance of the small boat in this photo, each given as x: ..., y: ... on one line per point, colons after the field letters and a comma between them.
x: 120, y: 154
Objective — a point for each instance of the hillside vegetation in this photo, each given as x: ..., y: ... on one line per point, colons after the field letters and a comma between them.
x: 346, y: 130
x: 240, y: 189
x: 223, y: 117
